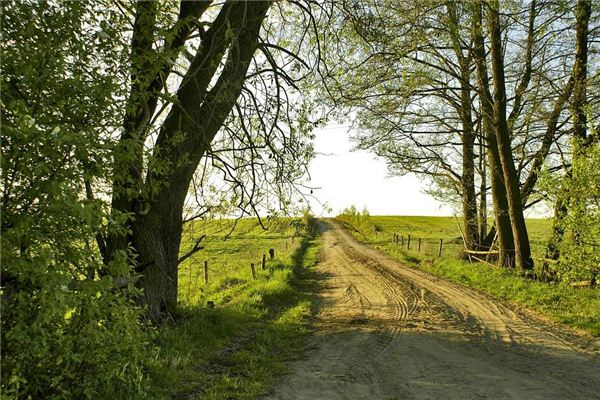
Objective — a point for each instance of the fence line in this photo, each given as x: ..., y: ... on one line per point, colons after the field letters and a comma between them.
x: 422, y: 243
x: 193, y: 284
x: 424, y: 246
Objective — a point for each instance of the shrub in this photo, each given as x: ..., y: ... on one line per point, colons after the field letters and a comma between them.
x: 358, y: 219
x: 67, y: 331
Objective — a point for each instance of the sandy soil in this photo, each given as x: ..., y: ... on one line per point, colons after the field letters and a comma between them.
x: 386, y: 331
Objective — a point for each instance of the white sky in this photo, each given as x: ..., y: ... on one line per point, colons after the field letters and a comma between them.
x: 343, y: 178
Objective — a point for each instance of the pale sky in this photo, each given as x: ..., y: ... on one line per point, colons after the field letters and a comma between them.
x: 344, y: 178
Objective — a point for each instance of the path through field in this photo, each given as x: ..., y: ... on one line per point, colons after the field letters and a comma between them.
x: 385, y: 331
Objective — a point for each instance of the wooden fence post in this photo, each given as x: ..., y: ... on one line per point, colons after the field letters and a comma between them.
x: 190, y: 283
x: 440, y: 249
x: 271, y: 253
x: 419, y: 246
x: 408, y: 243
x: 196, y: 280
x: 205, y: 272
x: 253, y: 270
x: 402, y: 237
x: 264, y: 262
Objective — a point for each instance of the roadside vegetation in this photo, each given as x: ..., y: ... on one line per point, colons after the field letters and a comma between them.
x: 577, y: 307
x: 120, y: 123
x: 234, y: 348
x: 125, y: 124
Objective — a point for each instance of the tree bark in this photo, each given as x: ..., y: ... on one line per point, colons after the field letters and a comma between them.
x: 191, y: 125
x: 522, y: 250
x: 164, y: 218
x: 583, y: 11
x: 503, y: 225
x: 467, y: 182
x: 482, y: 191
x: 128, y: 156
x: 147, y: 79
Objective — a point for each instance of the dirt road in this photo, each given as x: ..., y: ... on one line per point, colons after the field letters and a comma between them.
x: 385, y: 331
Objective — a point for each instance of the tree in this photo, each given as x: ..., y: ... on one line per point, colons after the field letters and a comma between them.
x: 522, y: 250
x: 416, y: 110
x: 155, y: 203
x: 428, y: 82
x: 503, y: 227
x: 150, y: 190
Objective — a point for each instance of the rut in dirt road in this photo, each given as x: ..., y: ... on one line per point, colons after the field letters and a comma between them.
x: 386, y: 331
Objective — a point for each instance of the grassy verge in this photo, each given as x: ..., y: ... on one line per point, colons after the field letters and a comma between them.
x: 578, y: 308
x: 235, y: 349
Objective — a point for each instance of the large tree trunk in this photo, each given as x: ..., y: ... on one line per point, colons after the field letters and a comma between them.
x: 482, y: 192
x: 503, y: 227
x: 167, y: 205
x: 128, y: 157
x: 467, y: 182
x: 504, y: 231
x: 147, y: 80
x: 522, y: 249
x: 183, y: 140
x: 158, y: 248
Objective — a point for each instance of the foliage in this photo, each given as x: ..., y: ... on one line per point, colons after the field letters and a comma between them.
x: 67, y: 332
x: 76, y: 76
x: 418, y: 91
x: 362, y: 219
x: 401, y: 87
x: 580, y: 245
x: 255, y: 326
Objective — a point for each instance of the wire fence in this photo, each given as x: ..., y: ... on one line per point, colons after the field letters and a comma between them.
x: 238, y: 262
x: 454, y: 248
x: 426, y: 246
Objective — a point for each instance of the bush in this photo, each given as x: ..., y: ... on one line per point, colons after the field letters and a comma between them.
x: 358, y: 219
x: 67, y: 332
x: 580, y: 247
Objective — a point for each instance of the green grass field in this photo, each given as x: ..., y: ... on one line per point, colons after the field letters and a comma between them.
x: 578, y: 308
x: 379, y: 230
x: 236, y: 348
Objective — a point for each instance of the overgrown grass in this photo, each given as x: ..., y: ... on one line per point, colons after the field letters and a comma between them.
x: 236, y: 348
x: 576, y: 307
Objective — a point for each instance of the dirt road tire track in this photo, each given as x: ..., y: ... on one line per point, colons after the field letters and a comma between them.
x: 386, y: 331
